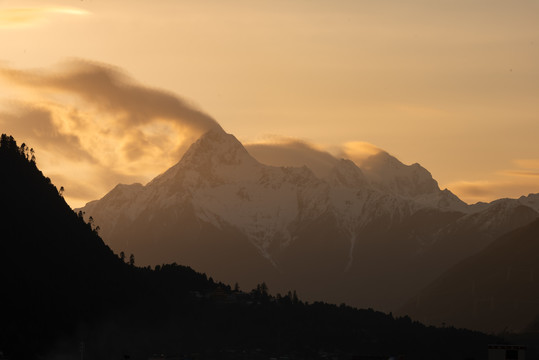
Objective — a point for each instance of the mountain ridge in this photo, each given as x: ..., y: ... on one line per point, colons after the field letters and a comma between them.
x: 493, y: 290
x: 217, y: 161
x: 218, y: 186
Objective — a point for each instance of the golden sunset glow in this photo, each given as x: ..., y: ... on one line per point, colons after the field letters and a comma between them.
x: 18, y: 17
x: 110, y: 92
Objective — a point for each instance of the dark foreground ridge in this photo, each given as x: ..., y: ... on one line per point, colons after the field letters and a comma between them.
x: 66, y: 295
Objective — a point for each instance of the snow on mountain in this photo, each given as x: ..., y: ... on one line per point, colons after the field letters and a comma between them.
x: 219, y: 206
x: 501, y: 212
x: 390, y: 175
x: 532, y: 201
x: 108, y: 209
x: 226, y: 185
x: 387, y: 174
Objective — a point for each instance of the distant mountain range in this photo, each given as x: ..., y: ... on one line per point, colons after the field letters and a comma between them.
x: 66, y: 295
x: 371, y: 237
x: 495, y: 290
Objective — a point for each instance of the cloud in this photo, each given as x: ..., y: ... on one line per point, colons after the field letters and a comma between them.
x: 486, y: 191
x: 527, y: 163
x: 93, y: 126
x: 90, y: 119
x: 358, y: 152
x: 522, y: 173
x: 28, y: 122
x: 77, y: 192
x: 508, y: 183
x: 112, y: 91
x: 94, y: 183
x: 293, y: 152
x: 476, y: 189
x: 17, y: 17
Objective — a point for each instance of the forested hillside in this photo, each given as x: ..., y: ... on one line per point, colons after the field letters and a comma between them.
x: 64, y: 291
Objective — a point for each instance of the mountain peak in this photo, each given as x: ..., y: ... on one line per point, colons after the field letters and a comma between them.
x: 389, y: 174
x: 216, y: 157
x: 216, y: 147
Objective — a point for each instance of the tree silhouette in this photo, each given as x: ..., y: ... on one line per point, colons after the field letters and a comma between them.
x: 264, y: 289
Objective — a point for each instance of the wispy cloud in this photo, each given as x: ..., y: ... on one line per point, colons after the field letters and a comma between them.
x: 522, y: 173
x: 486, y: 191
x: 522, y: 180
x: 358, y: 151
x: 93, y: 126
x: 85, y: 115
x: 20, y: 17
x: 525, y: 168
x: 282, y: 151
x: 477, y: 190
x: 110, y: 90
x: 38, y: 124
x: 293, y: 152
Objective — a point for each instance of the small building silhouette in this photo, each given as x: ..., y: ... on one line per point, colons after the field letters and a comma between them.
x: 506, y: 352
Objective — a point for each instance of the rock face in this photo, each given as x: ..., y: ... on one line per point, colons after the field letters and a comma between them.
x: 369, y: 237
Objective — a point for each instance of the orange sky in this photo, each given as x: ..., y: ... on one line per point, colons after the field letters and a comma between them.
x: 453, y: 85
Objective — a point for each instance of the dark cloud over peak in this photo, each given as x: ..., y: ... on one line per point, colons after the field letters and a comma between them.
x: 112, y: 91
x: 88, y: 118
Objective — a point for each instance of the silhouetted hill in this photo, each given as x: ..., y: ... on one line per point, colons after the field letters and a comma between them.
x: 61, y: 286
x: 492, y: 291
x: 50, y: 260
x: 56, y: 274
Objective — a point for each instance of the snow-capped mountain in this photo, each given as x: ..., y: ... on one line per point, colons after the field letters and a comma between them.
x: 223, y: 212
x: 387, y: 174
x: 225, y: 185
